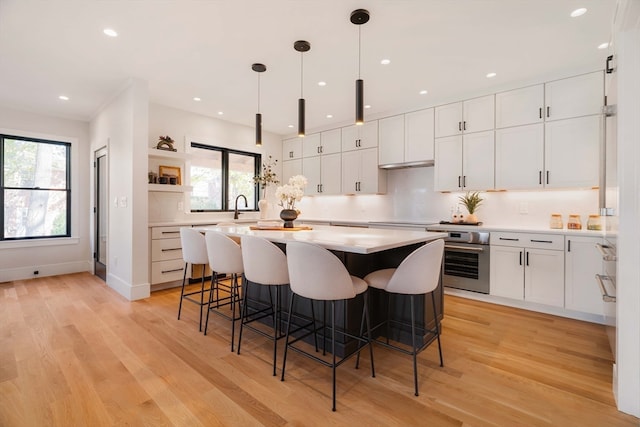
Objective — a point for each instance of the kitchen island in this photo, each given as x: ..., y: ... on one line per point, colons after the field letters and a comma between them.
x: 362, y: 250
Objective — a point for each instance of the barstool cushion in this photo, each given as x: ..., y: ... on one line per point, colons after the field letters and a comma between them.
x: 359, y: 285
x: 379, y: 279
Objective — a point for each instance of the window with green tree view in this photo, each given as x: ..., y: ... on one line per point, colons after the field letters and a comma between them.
x: 219, y: 175
x: 35, y: 188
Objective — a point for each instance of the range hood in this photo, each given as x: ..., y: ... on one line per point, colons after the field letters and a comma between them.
x: 419, y: 164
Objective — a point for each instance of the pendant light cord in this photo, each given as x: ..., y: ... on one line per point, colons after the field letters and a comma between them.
x: 258, y: 92
x: 301, y: 74
x: 359, y: 47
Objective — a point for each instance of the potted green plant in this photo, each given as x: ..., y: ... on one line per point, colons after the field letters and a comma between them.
x: 471, y: 201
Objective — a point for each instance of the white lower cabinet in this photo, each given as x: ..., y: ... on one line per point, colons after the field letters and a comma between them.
x: 583, y: 262
x: 528, y: 267
x: 167, y: 264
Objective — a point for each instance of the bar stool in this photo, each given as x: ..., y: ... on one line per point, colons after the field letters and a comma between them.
x: 225, y: 257
x: 318, y: 275
x: 417, y: 274
x: 265, y: 264
x: 194, y: 252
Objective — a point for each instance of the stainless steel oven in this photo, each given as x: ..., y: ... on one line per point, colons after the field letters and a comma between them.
x: 466, y: 261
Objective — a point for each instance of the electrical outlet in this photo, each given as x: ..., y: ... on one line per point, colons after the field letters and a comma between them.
x: 36, y: 272
x: 524, y: 208
x: 180, y: 206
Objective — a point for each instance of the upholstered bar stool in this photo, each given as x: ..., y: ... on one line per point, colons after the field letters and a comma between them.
x: 265, y: 265
x: 418, y: 274
x: 225, y: 257
x: 318, y: 275
x: 194, y: 252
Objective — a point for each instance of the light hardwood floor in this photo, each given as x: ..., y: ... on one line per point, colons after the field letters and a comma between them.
x: 75, y: 353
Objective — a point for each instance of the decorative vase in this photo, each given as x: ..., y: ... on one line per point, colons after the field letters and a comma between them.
x: 471, y: 219
x: 288, y: 216
x: 263, y: 205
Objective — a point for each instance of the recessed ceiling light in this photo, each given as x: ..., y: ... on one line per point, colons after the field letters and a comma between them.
x: 385, y: 62
x: 367, y: 106
x: 195, y: 98
x: 578, y: 12
x: 110, y: 32
x: 491, y: 75
x: 603, y: 46
x: 220, y: 113
x: 63, y: 97
x: 329, y: 116
x: 423, y: 92
x: 322, y: 83
x: 290, y: 126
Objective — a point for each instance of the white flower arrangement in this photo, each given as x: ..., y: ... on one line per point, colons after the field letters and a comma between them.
x: 292, y: 192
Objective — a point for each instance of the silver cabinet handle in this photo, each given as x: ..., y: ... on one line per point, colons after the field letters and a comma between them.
x: 605, y: 295
x: 604, y: 251
x: 464, y: 248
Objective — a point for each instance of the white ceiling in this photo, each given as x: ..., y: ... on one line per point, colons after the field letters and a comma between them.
x: 205, y: 48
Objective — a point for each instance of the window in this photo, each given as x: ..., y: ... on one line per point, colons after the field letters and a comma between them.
x: 35, y: 189
x: 219, y: 175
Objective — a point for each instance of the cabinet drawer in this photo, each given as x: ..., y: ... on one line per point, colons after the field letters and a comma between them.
x: 537, y: 241
x: 166, y: 249
x: 165, y: 232
x: 167, y: 271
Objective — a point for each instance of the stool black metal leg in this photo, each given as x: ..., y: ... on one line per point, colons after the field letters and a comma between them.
x: 201, y: 298
x: 364, y: 309
x: 413, y: 343
x: 435, y: 316
x: 315, y: 331
x: 333, y: 350
x: 234, y: 296
x: 366, y: 313
x: 324, y: 324
x: 213, y: 284
x: 243, y: 315
x: 184, y: 277
x: 275, y: 328
x: 388, y: 315
x: 286, y: 339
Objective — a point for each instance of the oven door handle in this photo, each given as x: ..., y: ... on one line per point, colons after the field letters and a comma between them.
x: 603, y: 290
x: 464, y: 248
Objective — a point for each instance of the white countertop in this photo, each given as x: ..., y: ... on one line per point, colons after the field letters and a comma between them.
x: 517, y: 229
x: 347, y: 239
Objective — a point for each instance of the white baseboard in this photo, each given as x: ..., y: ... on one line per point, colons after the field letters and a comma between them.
x: 127, y: 290
x: 22, y: 273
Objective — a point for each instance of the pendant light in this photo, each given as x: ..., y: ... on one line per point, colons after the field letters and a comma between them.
x: 359, y: 17
x: 301, y: 46
x: 259, y: 68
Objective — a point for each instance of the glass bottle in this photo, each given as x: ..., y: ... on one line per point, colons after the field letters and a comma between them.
x: 574, y: 222
x: 556, y: 221
x: 593, y: 223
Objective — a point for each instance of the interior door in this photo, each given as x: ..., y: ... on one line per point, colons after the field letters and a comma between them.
x: 100, y: 214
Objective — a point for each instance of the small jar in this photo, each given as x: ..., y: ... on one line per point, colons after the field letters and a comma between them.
x: 593, y: 223
x: 574, y: 222
x: 556, y: 221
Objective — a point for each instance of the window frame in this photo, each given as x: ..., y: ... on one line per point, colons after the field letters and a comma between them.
x: 257, y: 160
x: 67, y: 190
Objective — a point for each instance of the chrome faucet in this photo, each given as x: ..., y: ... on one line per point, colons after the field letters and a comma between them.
x: 246, y: 205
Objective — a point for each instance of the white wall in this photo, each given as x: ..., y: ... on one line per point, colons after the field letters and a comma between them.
x: 184, y: 127
x: 410, y: 197
x: 122, y: 127
x: 18, y: 260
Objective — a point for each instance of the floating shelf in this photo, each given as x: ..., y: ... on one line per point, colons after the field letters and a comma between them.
x: 165, y: 154
x: 168, y: 188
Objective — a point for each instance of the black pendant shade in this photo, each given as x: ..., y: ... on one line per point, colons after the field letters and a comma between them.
x: 359, y: 17
x: 259, y: 68
x: 301, y: 46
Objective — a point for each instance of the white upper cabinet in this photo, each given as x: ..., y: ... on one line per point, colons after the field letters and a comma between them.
x: 447, y: 174
x: 292, y: 149
x: 465, y: 162
x: 291, y: 168
x: 357, y: 137
x: 473, y: 115
x: 448, y: 120
x: 323, y: 174
x: 418, y: 135
x: 520, y: 157
x: 331, y: 141
x: 391, y: 137
x: 574, y: 97
x: 572, y: 152
x: 360, y: 173
x: 520, y: 107
x: 311, y: 145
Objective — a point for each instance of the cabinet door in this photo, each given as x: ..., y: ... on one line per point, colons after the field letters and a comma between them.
x: 582, y: 263
x: 478, y: 161
x: 311, y: 145
x: 356, y: 137
x: 350, y: 171
x: 331, y: 141
x: 574, y: 97
x: 331, y: 167
x: 506, y: 272
x: 311, y: 170
x: 519, y: 107
x: 544, y: 277
x: 369, y: 172
x: 448, y: 164
x: 391, y: 140
x: 418, y: 136
x: 519, y: 157
x: 572, y: 152
x: 448, y: 120
x: 292, y: 148
x: 478, y: 114
x: 291, y: 168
